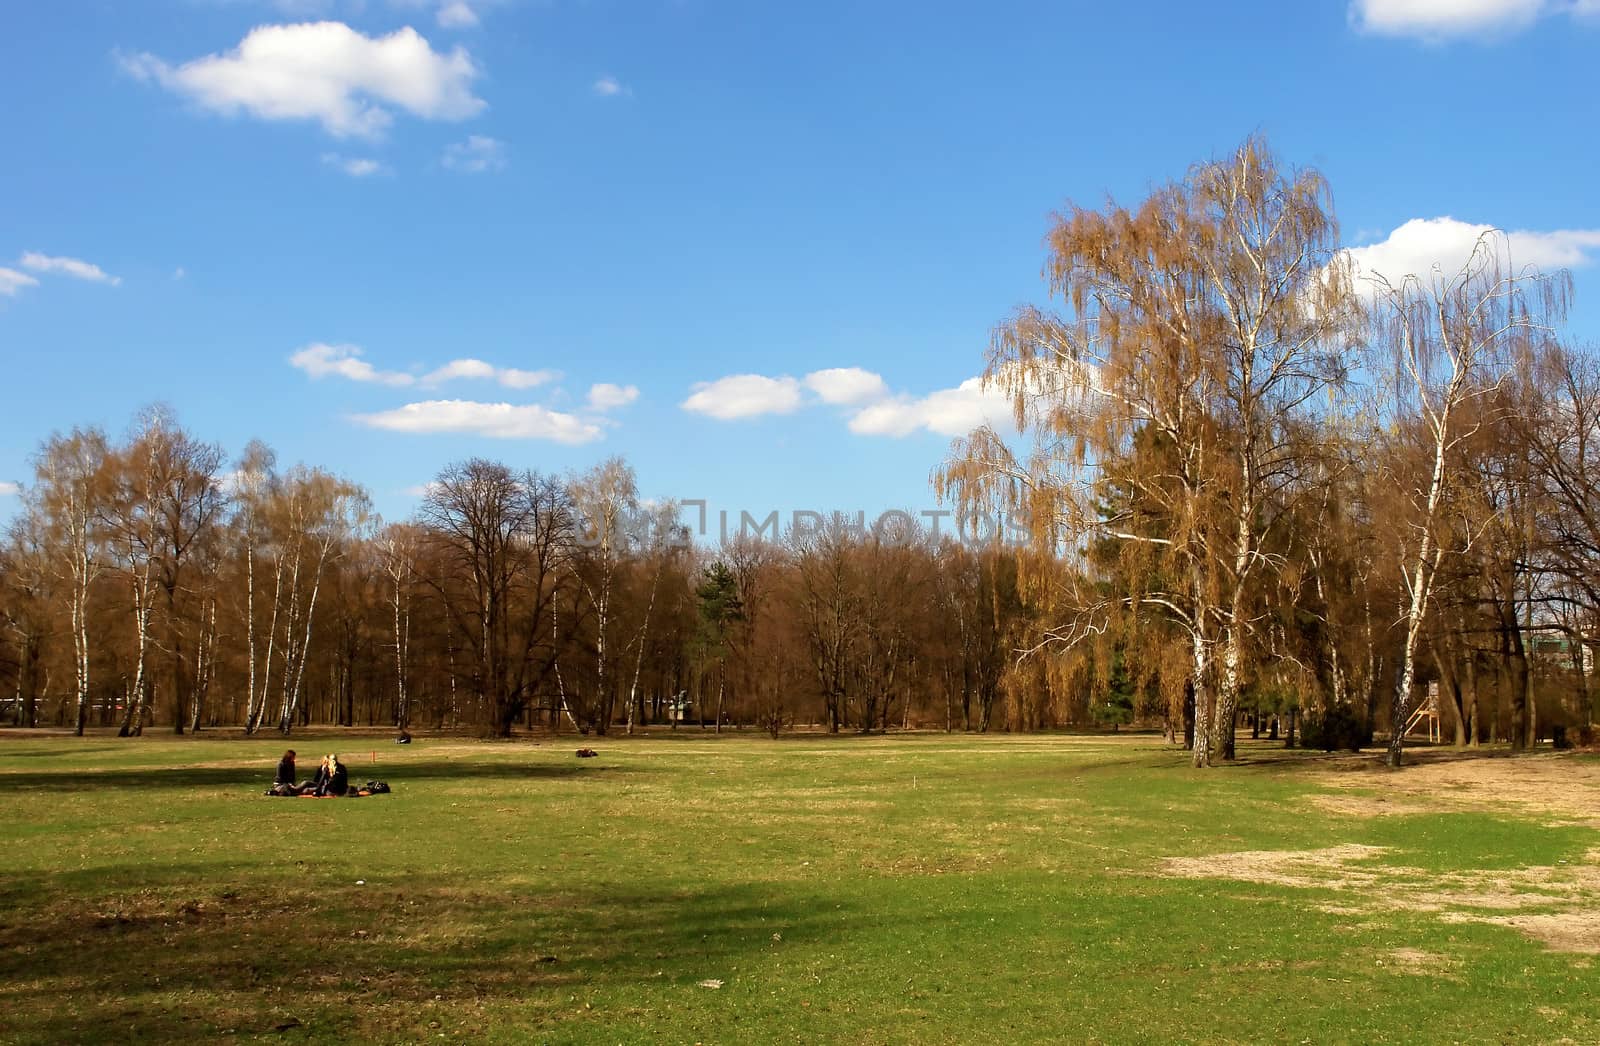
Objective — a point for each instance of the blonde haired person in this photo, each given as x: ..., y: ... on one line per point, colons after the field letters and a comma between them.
x: 338, y: 778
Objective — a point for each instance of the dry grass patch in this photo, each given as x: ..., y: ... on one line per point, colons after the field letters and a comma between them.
x: 1557, y: 905
x: 1559, y: 788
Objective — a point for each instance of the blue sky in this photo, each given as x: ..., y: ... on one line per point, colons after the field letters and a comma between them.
x: 390, y: 234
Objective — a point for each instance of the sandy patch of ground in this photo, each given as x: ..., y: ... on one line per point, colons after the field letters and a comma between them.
x: 1557, y: 787
x: 1558, y: 905
x: 1562, y: 931
x: 1351, y: 804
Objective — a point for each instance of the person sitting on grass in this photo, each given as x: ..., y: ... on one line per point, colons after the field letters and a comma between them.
x: 284, y: 780
x: 338, y: 782
x: 316, y: 785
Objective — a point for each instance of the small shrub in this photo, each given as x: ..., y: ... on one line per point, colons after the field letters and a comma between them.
x: 774, y: 718
x: 1339, y: 727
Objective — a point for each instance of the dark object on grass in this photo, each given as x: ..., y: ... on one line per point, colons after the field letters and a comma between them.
x: 376, y: 788
x: 404, y: 738
x: 587, y: 753
x: 1337, y: 728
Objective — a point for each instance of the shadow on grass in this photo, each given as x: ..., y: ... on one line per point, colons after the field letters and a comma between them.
x: 377, y: 964
x: 257, y: 779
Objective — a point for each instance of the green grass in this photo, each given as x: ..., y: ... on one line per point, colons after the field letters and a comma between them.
x: 916, y: 890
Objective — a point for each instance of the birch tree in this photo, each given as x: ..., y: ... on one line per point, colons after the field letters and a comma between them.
x: 606, y: 502
x: 398, y: 548
x: 66, y: 493
x: 1451, y: 338
x: 1203, y: 323
x: 317, y: 514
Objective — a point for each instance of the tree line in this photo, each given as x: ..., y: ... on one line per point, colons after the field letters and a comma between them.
x: 1258, y: 486
x: 155, y: 581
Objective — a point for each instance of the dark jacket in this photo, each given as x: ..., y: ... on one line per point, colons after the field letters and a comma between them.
x: 285, y: 772
x: 339, y: 784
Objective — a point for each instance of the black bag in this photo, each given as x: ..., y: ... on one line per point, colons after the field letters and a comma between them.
x: 377, y: 788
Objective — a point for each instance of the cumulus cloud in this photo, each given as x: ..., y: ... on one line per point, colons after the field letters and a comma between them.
x: 948, y: 412
x: 493, y: 420
x: 610, y: 87
x: 1439, y: 19
x: 1422, y: 244
x: 354, y: 166
x: 510, y: 377
x: 871, y: 408
x: 12, y: 281
x: 320, y: 360
x: 457, y: 15
x: 324, y: 71
x: 744, y: 396
x: 9, y: 489
x: 477, y: 155
x: 605, y: 396
x: 74, y: 267
x: 846, y: 385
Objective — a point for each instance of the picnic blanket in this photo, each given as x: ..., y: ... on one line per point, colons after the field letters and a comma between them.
x: 370, y: 788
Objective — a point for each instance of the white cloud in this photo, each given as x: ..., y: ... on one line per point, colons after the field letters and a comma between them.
x: 74, y: 267
x: 12, y: 281
x: 510, y: 377
x: 324, y: 71
x: 9, y: 489
x: 457, y: 15
x: 1421, y: 244
x: 846, y: 385
x: 744, y: 396
x: 870, y: 406
x: 493, y: 420
x: 606, y: 396
x: 1438, y: 19
x: 321, y: 360
x: 610, y: 87
x: 179, y: 273
x: 948, y: 412
x: 344, y: 361
x: 478, y: 154
x: 354, y: 166
x: 422, y: 490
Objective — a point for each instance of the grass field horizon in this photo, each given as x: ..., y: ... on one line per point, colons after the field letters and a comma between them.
x: 902, y: 888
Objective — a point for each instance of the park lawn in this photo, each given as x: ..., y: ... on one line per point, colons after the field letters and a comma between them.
x: 917, y: 889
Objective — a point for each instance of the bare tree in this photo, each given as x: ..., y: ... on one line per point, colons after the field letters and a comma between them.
x: 66, y: 493
x: 503, y: 542
x: 1452, y: 339
x: 1197, y: 329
